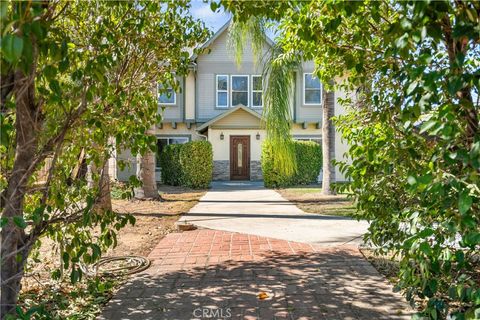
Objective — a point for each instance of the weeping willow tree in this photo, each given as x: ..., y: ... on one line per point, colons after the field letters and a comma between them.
x: 279, y: 79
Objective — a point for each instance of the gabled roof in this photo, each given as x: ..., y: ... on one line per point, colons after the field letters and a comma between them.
x: 222, y: 30
x: 226, y: 114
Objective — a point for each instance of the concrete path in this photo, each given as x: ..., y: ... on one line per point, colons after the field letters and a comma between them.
x: 248, y: 207
x: 208, y: 274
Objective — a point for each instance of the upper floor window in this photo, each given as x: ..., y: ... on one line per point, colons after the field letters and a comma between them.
x: 239, y: 90
x: 166, y: 95
x: 222, y: 91
x: 312, y: 89
x: 257, y: 89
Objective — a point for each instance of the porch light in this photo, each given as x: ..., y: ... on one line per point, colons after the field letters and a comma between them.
x: 221, y: 136
x: 258, y: 135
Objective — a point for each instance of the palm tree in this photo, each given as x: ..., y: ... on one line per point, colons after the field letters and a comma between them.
x: 279, y: 76
x: 327, y: 144
x: 146, y: 174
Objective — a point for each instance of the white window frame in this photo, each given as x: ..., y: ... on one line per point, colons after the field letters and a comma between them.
x: 256, y: 91
x: 248, y: 88
x: 226, y: 91
x: 187, y: 139
x: 166, y: 103
x: 321, y: 91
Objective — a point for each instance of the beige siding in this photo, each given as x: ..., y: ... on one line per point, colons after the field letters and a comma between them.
x: 239, y: 118
x: 221, y: 148
x: 219, y: 61
x: 305, y: 113
x: 190, y: 96
x: 174, y: 112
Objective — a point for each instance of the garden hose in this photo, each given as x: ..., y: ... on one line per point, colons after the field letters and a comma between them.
x: 123, y: 265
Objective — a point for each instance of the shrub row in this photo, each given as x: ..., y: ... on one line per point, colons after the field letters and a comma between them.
x: 309, y: 161
x: 189, y: 164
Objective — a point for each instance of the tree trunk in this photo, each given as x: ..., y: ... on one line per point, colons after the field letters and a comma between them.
x: 104, y: 200
x: 146, y: 174
x: 327, y: 142
x: 14, y: 249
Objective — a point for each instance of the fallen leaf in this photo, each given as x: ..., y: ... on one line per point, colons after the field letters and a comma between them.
x: 262, y: 295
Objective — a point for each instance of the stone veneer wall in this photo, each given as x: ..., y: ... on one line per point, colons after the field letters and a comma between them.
x: 256, y: 170
x: 221, y: 170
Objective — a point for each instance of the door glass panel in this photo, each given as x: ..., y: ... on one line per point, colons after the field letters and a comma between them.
x: 240, y: 155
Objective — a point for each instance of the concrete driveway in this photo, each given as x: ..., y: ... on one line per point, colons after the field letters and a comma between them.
x: 248, y: 207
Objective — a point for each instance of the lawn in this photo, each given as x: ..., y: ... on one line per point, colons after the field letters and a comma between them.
x: 311, y: 200
x: 59, y: 299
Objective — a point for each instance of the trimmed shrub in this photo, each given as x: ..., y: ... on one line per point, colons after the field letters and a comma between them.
x: 170, y: 164
x: 189, y: 164
x: 196, y: 160
x: 309, y: 161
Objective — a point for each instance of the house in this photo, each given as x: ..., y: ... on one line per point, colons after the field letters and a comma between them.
x: 222, y: 102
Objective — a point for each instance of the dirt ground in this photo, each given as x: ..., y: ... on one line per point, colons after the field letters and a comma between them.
x: 311, y: 200
x: 154, y: 219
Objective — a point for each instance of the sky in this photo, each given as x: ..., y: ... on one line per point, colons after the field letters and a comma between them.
x: 213, y: 21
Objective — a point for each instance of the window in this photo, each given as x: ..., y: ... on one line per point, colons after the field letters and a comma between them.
x: 257, y: 100
x: 239, y: 90
x: 166, y: 95
x: 162, y: 142
x: 312, y: 89
x: 222, y: 91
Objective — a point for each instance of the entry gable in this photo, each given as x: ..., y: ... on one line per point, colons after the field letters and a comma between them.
x: 239, y: 117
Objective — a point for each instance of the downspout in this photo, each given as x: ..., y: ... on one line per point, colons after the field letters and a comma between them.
x: 203, y: 136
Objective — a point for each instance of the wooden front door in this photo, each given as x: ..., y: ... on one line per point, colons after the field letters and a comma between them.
x: 240, y: 157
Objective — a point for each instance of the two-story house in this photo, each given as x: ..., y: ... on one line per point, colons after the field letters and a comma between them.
x: 222, y: 102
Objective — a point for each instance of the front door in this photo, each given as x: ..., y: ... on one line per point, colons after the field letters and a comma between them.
x: 240, y: 157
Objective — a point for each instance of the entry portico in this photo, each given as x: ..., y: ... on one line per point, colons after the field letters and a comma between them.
x: 236, y: 137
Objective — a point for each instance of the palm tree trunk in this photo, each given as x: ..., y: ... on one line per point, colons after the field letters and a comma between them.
x: 104, y: 200
x: 328, y: 138
x: 146, y: 174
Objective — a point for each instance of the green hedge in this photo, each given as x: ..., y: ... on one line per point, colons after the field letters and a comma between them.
x: 189, y: 164
x: 309, y: 162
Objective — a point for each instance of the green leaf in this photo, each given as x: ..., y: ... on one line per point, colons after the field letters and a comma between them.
x: 427, y: 126
x: 12, y: 47
x: 19, y: 222
x: 411, y: 180
x: 3, y: 10
x: 465, y: 202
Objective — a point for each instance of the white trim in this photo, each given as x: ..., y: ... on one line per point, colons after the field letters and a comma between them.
x: 256, y: 91
x: 166, y: 103
x: 248, y: 88
x: 226, y: 91
x: 321, y: 89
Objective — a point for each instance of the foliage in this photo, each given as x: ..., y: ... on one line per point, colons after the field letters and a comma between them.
x: 82, y: 300
x: 413, y: 130
x: 170, y: 165
x: 121, y: 190
x: 76, y: 80
x: 189, y: 164
x: 196, y: 158
x: 308, y: 157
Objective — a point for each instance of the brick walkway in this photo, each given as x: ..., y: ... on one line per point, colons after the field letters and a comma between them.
x: 208, y: 274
